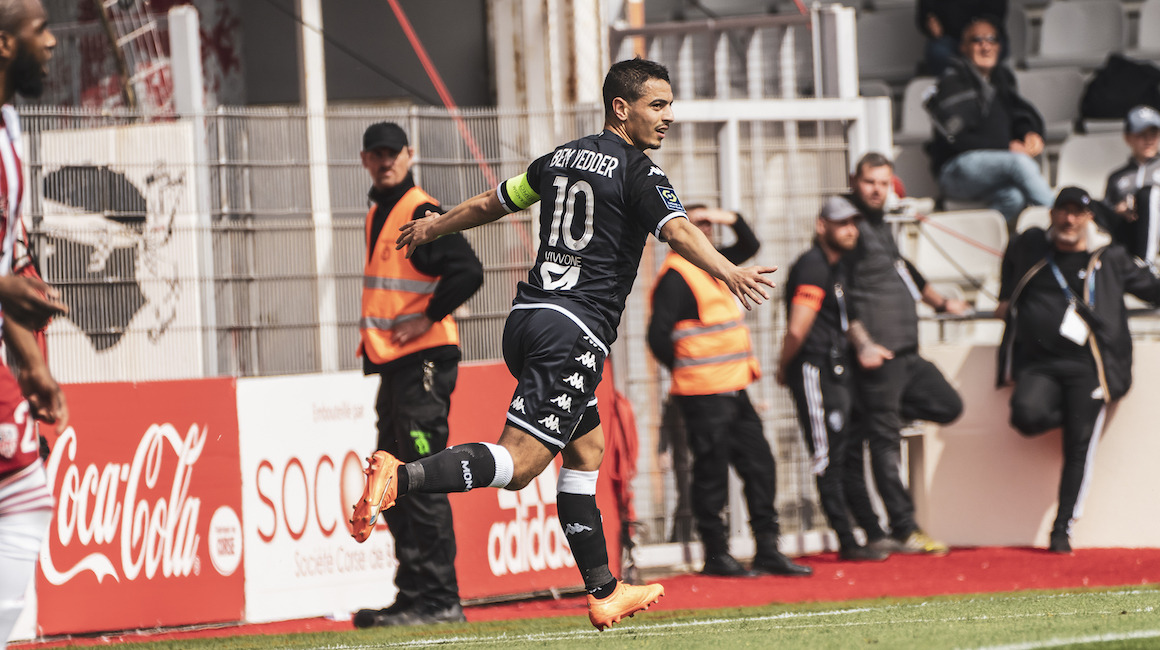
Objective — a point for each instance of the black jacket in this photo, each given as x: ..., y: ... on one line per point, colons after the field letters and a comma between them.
x: 1116, y: 272
x: 969, y: 113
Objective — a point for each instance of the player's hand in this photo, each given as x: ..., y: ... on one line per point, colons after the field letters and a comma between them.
x: 44, y: 396
x: 745, y: 283
x: 417, y: 232
x: 872, y: 356
x: 409, y: 330
x: 32, y: 302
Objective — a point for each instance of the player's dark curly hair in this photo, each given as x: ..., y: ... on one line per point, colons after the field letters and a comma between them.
x: 626, y: 80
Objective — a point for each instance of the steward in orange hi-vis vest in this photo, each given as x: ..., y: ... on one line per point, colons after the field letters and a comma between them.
x: 712, y: 353
x: 394, y: 290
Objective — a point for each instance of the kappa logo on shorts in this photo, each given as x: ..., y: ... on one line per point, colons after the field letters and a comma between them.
x: 575, y: 380
x: 551, y: 423
x: 518, y: 404
x: 563, y: 401
x: 669, y: 196
x: 588, y: 359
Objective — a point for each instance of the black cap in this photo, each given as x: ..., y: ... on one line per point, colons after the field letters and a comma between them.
x: 1073, y: 196
x: 384, y: 135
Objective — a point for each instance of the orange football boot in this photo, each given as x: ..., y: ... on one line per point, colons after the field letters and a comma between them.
x: 625, y: 600
x: 380, y: 493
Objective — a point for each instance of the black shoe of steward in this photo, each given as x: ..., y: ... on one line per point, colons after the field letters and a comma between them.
x: 725, y: 565
x: 1060, y: 544
x: 862, y: 554
x: 779, y: 564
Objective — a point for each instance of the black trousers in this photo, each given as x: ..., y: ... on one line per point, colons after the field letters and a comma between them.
x: 906, y: 387
x: 1062, y: 392
x: 724, y: 430
x: 823, y: 403
x: 412, y: 406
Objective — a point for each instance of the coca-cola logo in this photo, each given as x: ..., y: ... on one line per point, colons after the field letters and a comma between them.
x: 137, y: 517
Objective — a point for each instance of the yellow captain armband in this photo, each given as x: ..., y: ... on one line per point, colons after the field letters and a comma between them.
x: 520, y: 192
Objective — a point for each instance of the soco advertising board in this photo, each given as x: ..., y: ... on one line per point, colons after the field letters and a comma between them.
x: 147, y: 529
x: 303, y: 441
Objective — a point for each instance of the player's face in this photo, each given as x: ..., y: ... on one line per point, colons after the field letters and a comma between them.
x: 980, y: 45
x: 650, y: 115
x: 839, y: 235
x: 387, y: 167
x: 872, y: 185
x: 28, y: 51
x: 1069, y: 224
x: 1145, y: 145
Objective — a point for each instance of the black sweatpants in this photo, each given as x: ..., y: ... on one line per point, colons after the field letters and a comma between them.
x: 823, y: 403
x: 725, y: 430
x: 904, y: 388
x: 412, y: 406
x: 1063, y: 392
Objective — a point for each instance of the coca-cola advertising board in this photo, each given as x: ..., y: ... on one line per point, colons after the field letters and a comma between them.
x: 303, y: 441
x: 511, y: 542
x: 147, y: 528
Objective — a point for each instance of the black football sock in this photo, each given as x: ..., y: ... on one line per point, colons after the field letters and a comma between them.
x: 580, y: 519
x: 458, y: 469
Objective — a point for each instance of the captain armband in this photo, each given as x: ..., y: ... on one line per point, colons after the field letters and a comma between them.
x: 517, y: 194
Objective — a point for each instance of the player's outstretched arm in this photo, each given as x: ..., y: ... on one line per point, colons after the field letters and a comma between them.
x: 476, y: 211
x: 690, y: 243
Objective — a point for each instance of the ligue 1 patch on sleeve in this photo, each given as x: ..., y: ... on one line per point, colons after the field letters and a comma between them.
x: 669, y: 196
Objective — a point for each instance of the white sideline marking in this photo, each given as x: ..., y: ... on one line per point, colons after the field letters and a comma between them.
x: 1094, y: 638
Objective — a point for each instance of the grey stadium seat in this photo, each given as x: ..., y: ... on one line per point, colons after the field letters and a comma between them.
x: 1079, y: 32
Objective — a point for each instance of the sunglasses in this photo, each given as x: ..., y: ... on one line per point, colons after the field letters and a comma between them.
x: 979, y: 40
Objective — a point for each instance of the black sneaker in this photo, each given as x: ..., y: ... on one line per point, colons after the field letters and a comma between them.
x: 384, y: 618
x: 1060, y: 544
x: 779, y: 564
x: 725, y: 565
x: 862, y: 554
x: 887, y: 545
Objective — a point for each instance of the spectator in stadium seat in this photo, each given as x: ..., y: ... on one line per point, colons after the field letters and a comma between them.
x: 1135, y: 220
x: 28, y: 391
x: 410, y: 340
x: 943, y: 21
x: 698, y: 331
x: 893, y: 383
x: 816, y: 364
x: 1066, y: 344
x: 986, y: 135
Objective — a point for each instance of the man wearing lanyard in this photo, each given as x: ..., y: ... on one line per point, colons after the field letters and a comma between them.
x: 1066, y: 345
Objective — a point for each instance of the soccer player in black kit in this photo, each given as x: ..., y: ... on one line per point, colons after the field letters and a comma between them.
x: 601, y: 198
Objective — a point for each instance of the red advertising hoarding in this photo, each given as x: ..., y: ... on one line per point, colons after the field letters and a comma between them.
x: 147, y: 529
x: 511, y: 542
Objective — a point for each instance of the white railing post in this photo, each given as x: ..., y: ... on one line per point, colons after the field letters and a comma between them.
x: 313, y: 78
x: 189, y: 102
x: 835, y: 51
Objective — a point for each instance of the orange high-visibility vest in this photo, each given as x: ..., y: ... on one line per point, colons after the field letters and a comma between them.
x: 712, y: 353
x: 395, y: 291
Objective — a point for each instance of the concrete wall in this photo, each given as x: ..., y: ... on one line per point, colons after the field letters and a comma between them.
x: 978, y: 482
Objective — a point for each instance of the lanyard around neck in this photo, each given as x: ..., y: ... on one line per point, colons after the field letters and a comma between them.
x: 1063, y: 286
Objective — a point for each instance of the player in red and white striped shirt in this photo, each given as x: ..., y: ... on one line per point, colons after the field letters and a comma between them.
x: 26, y: 304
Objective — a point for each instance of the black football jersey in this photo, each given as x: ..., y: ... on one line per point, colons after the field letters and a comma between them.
x: 600, y: 199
